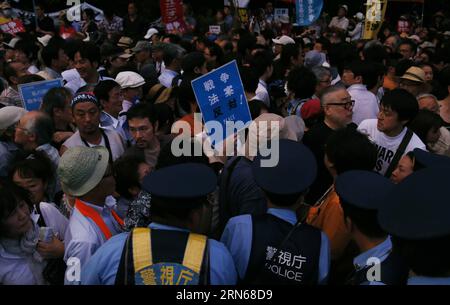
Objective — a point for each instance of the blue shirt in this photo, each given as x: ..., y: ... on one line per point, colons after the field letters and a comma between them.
x: 425, y: 280
x: 380, y: 252
x: 238, y: 235
x: 102, y: 267
x: 243, y: 195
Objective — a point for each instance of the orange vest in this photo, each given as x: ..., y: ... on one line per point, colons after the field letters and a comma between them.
x: 89, y: 212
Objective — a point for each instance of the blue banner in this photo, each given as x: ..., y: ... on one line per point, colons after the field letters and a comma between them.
x: 33, y: 93
x: 308, y: 11
x: 221, y: 98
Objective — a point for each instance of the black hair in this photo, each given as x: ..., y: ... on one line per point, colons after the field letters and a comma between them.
x: 402, y: 66
x: 191, y: 61
x: 164, y: 114
x: 90, y: 52
x: 326, y: 44
x: 425, y: 257
x: 256, y: 106
x: 185, y: 95
x: 9, y: 71
x: 369, y: 71
x: 55, y: 98
x: 72, y: 46
x: 126, y: 174
x: 425, y: 121
x: 411, y: 44
x: 29, y: 47
x: 375, y: 53
x: 51, y: 51
x: 142, y: 111
x: 260, y: 62
x: 402, y: 102
x: 302, y: 82
x: 37, y: 165
x: 90, y: 13
x: 10, y: 197
x: 249, y: 79
x: 30, y: 78
x: 289, y: 51
x: 167, y: 158
x: 366, y: 220
x: 348, y: 149
x: 102, y: 90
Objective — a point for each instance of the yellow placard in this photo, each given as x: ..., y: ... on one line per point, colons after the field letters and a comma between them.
x: 376, y: 10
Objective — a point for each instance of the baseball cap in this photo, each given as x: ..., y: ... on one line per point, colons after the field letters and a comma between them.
x: 284, y: 40
x: 150, y: 33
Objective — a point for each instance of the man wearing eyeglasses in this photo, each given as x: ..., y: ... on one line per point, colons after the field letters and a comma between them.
x: 338, y: 110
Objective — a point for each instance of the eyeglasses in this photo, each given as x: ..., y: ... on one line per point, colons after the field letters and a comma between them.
x: 347, y: 105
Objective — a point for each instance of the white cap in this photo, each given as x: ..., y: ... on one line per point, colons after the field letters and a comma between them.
x: 44, y: 40
x: 415, y: 38
x: 12, y: 43
x: 344, y: 6
x: 129, y: 79
x: 359, y: 16
x: 284, y: 40
x: 150, y: 33
x: 9, y: 116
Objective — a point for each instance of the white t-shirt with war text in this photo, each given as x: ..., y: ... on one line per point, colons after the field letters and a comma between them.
x: 387, y: 146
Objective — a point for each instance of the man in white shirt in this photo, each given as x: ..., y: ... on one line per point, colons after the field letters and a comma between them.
x: 398, y: 108
x: 172, y: 61
x: 109, y: 95
x: 86, y: 61
x: 340, y: 22
x: 262, y: 64
x: 94, y: 219
x: 356, y: 77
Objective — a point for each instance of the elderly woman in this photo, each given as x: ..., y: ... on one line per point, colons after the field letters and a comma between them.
x: 27, y: 251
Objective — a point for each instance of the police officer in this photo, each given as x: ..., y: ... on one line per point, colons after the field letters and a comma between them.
x: 167, y: 253
x: 361, y: 194
x: 274, y: 248
x: 417, y: 214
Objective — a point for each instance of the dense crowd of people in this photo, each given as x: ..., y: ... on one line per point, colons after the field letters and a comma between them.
x: 364, y: 147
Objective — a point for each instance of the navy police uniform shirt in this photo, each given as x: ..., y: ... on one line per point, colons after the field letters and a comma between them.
x: 238, y: 234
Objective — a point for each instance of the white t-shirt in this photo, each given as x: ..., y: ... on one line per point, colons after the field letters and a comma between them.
x: 115, y: 141
x: 387, y: 146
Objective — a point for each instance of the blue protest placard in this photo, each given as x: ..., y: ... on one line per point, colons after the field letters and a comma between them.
x: 308, y: 11
x: 221, y: 98
x: 33, y: 93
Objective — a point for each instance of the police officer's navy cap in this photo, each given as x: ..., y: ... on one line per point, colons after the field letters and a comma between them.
x: 188, y: 180
x: 427, y: 159
x: 419, y: 207
x: 294, y: 173
x: 363, y: 189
